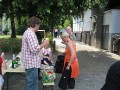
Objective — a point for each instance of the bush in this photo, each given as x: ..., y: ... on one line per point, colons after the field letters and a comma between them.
x: 21, y: 29
x: 11, y: 44
x: 5, y: 47
x: 49, y: 35
x: 6, y: 31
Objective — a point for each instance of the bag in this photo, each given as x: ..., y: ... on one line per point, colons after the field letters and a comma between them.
x: 48, y: 76
x: 63, y: 83
x: 59, y: 64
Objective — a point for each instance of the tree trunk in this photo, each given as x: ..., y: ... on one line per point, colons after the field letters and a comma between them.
x: 13, y: 33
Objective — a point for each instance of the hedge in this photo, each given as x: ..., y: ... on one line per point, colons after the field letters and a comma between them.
x: 10, y: 44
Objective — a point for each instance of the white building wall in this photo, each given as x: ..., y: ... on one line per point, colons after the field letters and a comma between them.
x: 115, y: 21
x: 77, y: 25
x: 85, y: 25
x: 107, y: 19
x: 112, y: 18
x: 74, y: 24
x: 87, y: 21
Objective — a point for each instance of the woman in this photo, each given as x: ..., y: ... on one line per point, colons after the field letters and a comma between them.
x: 71, y: 64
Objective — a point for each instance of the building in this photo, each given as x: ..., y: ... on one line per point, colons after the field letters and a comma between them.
x: 99, y: 25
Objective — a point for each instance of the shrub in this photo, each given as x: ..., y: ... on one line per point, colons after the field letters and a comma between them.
x: 11, y: 44
x: 21, y: 29
x: 6, y: 31
x: 6, y: 47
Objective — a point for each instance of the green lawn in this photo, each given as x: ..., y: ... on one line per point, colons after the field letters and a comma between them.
x: 8, y: 36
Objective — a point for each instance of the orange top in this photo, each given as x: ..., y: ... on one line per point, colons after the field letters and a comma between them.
x: 74, y: 64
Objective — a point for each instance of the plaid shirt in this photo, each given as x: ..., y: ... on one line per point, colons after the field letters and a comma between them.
x: 30, y: 50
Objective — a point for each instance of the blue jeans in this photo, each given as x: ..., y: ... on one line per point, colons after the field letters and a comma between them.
x: 31, y: 79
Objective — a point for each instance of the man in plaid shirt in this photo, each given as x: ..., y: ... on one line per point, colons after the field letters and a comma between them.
x: 31, y: 53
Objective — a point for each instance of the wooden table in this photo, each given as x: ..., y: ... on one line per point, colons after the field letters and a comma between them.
x: 19, y: 69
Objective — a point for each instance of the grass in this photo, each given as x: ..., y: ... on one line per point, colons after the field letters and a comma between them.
x: 8, y: 36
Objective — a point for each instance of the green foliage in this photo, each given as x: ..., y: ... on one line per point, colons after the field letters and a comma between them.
x: 21, y: 29
x: 67, y: 23
x: 45, y: 27
x: 6, y: 31
x: 51, y: 12
x: 49, y: 35
x: 60, y: 27
x: 5, y: 46
x: 11, y: 44
x: 21, y: 25
x: 97, y: 3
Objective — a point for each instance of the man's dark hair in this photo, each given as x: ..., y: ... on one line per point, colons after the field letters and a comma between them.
x: 33, y: 21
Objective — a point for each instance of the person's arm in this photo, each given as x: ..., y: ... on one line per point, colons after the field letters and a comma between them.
x: 3, y: 61
x: 71, y: 48
x: 42, y: 55
x: 4, y: 65
x: 33, y: 43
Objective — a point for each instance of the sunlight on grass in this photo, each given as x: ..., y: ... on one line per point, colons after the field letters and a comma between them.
x: 8, y: 36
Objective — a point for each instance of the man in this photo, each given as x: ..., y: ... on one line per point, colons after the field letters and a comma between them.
x: 31, y: 53
x: 72, y: 35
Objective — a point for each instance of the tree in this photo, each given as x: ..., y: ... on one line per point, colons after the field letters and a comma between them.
x: 51, y: 12
x: 7, y: 7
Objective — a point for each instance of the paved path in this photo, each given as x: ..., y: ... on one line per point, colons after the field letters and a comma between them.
x: 94, y: 64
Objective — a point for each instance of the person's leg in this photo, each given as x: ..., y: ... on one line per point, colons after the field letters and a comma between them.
x: 1, y: 82
x: 32, y: 79
x: 71, y: 84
